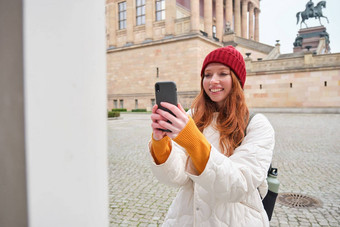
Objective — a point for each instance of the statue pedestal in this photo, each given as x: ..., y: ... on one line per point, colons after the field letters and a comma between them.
x: 310, y: 39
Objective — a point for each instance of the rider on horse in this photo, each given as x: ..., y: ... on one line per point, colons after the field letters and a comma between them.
x: 310, y: 8
x: 311, y: 12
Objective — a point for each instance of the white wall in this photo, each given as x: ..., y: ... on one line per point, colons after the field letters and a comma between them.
x: 65, y: 112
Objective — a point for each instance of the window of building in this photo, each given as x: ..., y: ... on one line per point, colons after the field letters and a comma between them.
x: 153, y: 102
x: 136, y: 103
x: 115, y: 103
x: 122, y: 15
x: 160, y: 10
x: 140, y: 12
x: 214, y: 31
x: 121, y: 103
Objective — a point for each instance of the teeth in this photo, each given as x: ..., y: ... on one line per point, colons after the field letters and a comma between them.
x: 216, y: 90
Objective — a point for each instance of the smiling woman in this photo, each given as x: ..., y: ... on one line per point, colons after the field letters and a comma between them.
x: 212, y: 152
x: 217, y: 82
x: 231, y: 102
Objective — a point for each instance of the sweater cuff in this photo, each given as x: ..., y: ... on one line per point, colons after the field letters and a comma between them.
x: 160, y: 149
x: 195, y: 144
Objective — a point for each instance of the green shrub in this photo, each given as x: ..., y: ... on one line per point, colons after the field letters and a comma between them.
x: 119, y: 110
x: 113, y: 114
x: 138, y: 110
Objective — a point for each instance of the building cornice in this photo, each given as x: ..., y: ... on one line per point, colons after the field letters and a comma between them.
x: 165, y: 40
x: 306, y: 63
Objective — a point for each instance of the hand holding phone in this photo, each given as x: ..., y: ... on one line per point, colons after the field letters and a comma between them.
x: 178, y: 121
x: 166, y: 92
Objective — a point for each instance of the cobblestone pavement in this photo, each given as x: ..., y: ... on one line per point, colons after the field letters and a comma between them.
x: 307, y: 154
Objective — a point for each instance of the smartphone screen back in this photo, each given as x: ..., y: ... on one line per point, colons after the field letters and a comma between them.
x: 166, y: 91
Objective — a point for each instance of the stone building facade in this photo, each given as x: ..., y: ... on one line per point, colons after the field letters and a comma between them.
x: 305, y: 80
x: 139, y: 21
x: 159, y: 40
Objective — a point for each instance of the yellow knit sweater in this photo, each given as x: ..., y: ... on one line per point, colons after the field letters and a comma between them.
x: 191, y: 139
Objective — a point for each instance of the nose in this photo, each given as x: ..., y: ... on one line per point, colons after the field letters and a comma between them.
x: 214, y: 79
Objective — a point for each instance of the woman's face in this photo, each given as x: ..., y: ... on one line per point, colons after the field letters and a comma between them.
x: 217, y: 82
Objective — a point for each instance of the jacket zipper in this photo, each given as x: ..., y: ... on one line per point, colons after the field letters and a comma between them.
x: 194, y: 205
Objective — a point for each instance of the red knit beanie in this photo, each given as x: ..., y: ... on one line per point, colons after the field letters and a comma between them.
x: 230, y: 57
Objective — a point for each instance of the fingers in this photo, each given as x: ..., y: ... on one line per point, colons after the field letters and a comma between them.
x: 178, y: 111
x: 154, y: 108
x: 156, y: 129
x: 160, y: 120
x: 178, y: 122
x: 181, y: 108
x: 172, y: 108
x: 155, y: 116
x: 166, y: 125
x: 156, y: 119
x: 158, y: 134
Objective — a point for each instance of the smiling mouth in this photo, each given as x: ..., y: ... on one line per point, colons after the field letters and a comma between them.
x: 216, y: 89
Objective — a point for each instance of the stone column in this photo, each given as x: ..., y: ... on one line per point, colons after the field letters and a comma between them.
x: 208, y: 17
x: 229, y: 13
x: 148, y: 19
x: 219, y: 19
x: 257, y: 25
x: 71, y: 173
x: 14, y: 210
x: 170, y: 16
x: 237, y: 17
x: 112, y: 24
x: 129, y: 22
x: 244, y: 19
x: 251, y: 21
x: 195, y: 15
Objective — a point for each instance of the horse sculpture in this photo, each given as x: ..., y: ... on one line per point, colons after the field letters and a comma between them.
x: 315, y: 12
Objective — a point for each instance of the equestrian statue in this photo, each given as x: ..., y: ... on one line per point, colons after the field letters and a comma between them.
x: 311, y: 12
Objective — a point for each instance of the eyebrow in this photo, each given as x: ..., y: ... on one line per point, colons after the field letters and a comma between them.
x: 221, y: 69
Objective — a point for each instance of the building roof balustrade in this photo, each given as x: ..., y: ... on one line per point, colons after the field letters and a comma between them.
x: 308, y: 61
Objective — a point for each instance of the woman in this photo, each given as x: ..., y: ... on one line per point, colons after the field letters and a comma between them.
x: 219, y: 162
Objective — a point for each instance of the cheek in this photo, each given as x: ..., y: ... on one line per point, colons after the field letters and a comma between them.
x: 205, y: 83
x: 228, y: 84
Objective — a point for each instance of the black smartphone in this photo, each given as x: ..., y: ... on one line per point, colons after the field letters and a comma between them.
x: 166, y: 91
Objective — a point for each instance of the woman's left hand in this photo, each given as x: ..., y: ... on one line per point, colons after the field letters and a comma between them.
x: 178, y: 122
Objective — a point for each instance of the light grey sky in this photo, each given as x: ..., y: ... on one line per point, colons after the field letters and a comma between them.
x: 278, y: 22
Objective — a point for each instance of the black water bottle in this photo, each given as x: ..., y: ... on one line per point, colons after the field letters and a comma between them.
x: 273, y: 190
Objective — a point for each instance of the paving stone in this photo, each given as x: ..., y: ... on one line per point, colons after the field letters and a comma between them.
x: 152, y: 225
x: 307, y: 155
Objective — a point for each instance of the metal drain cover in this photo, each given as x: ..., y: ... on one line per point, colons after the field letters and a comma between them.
x: 298, y: 200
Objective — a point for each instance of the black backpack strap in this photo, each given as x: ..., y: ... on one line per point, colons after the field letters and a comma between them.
x: 251, y: 115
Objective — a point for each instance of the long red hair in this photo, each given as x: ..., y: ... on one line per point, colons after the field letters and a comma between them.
x: 232, y: 119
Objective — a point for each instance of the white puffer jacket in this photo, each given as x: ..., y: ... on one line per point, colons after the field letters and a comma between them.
x: 227, y: 191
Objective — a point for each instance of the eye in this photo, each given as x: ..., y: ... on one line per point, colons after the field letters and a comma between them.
x: 207, y: 75
x: 224, y: 74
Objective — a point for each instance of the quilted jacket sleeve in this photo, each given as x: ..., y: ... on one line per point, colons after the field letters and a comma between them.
x: 231, y: 179
x: 172, y: 171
